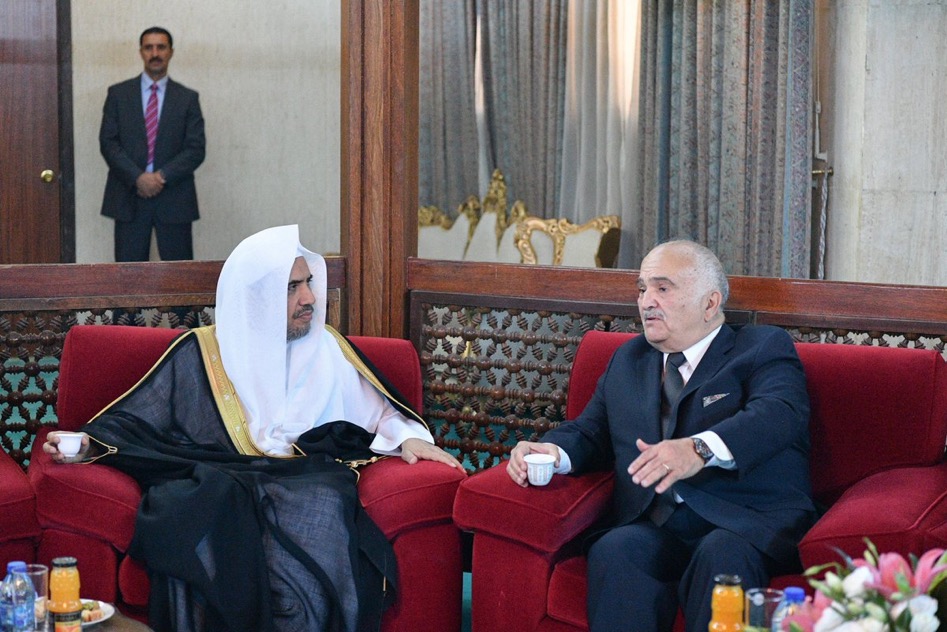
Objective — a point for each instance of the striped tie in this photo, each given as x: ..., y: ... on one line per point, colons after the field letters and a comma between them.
x: 151, y: 122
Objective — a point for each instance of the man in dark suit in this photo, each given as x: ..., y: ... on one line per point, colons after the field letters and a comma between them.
x: 152, y: 138
x: 706, y: 427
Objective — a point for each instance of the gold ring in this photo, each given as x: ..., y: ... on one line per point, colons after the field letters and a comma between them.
x: 666, y: 468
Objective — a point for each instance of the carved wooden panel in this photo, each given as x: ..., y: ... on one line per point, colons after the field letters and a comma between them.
x: 39, y: 304
x: 496, y: 369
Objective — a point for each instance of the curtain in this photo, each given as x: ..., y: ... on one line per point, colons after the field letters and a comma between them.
x: 600, y: 129
x: 726, y: 131
x: 448, y: 146
x: 523, y: 60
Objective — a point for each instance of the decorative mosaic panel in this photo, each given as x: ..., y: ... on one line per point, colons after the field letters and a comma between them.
x: 495, y: 376
x: 30, y: 348
x: 500, y: 374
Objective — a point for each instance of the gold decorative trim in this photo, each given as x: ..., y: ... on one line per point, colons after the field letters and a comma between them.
x: 363, y: 369
x: 228, y: 403
x: 558, y: 230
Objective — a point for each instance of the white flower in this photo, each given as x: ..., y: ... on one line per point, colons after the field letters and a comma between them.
x: 924, y: 622
x: 854, y: 584
x: 862, y: 625
x: 830, y: 620
x: 923, y: 605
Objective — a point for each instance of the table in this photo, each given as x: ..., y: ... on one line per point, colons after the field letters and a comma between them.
x: 116, y: 623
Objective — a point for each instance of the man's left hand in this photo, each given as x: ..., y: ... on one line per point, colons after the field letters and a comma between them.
x: 414, y: 450
x: 662, y: 464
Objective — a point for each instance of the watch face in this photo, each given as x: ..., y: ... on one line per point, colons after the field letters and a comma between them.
x: 703, y: 450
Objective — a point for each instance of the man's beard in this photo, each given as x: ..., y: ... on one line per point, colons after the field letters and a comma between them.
x: 295, y: 333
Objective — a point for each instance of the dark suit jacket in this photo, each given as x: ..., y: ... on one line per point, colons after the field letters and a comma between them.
x: 757, y: 404
x: 179, y: 150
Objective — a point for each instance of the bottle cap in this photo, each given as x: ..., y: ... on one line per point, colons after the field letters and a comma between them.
x: 61, y: 562
x: 16, y: 567
x: 728, y: 580
x: 794, y: 594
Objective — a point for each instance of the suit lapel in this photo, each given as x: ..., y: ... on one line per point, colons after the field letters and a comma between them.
x: 649, y: 405
x: 714, y: 359
x: 134, y: 104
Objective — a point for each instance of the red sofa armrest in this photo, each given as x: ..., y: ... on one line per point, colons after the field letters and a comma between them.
x: 895, y: 509
x: 544, y: 518
x: 87, y: 499
x: 400, y: 497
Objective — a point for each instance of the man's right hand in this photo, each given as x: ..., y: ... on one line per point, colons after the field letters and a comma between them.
x: 51, y: 447
x: 516, y: 466
x: 149, y: 184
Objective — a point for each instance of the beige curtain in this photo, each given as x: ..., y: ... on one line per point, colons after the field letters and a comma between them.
x: 725, y: 129
x: 600, y: 128
x: 447, y: 146
x: 523, y: 57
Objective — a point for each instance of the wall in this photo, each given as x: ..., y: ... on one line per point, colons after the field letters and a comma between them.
x: 268, y: 75
x: 888, y: 212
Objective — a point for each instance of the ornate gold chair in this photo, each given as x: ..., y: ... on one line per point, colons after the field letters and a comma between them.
x: 560, y: 242
x: 490, y: 230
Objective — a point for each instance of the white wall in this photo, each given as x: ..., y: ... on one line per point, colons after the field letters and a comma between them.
x: 268, y: 74
x: 888, y: 215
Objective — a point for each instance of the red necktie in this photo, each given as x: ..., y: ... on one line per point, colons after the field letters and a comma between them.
x: 151, y: 122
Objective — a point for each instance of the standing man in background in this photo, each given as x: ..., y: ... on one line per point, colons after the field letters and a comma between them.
x: 152, y: 138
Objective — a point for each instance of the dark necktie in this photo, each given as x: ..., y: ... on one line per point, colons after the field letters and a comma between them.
x: 671, y: 389
x: 151, y: 122
x: 663, y: 505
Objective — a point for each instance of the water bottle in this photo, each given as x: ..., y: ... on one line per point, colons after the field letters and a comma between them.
x: 17, y: 599
x: 793, y: 598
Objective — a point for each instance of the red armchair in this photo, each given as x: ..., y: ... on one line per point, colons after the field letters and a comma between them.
x: 89, y: 510
x: 19, y: 531
x: 878, y: 429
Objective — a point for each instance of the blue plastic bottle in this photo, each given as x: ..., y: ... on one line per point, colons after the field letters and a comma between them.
x: 17, y: 600
x: 793, y: 598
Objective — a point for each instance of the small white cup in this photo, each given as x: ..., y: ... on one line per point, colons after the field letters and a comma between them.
x: 539, y: 468
x: 69, y: 443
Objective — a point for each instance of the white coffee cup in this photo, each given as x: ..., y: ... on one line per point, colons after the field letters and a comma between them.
x: 69, y: 443
x: 539, y: 468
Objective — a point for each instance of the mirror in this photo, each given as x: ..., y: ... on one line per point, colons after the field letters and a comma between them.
x: 876, y: 80
x: 268, y: 75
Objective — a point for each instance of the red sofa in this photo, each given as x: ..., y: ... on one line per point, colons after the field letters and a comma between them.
x: 19, y: 530
x: 89, y: 510
x: 878, y: 429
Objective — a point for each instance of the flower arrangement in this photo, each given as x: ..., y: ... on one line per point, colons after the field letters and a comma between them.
x: 875, y: 593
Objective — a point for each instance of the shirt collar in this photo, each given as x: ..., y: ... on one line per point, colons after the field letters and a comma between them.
x: 694, y: 353
x: 146, y: 82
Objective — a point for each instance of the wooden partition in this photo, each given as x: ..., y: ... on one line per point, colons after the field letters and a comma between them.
x: 40, y: 303
x: 497, y: 341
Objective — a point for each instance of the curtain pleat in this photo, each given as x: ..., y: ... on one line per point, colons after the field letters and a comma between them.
x: 448, y: 145
x: 523, y: 53
x: 725, y: 130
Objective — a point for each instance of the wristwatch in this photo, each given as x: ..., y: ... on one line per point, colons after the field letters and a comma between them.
x: 702, y: 449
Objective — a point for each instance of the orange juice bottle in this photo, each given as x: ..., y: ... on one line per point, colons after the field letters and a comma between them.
x: 726, y: 605
x: 64, y: 603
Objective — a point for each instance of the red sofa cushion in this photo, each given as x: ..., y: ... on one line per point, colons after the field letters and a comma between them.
x: 544, y: 518
x: 17, y: 502
x: 890, y: 508
x: 591, y: 358
x: 391, y: 492
x: 101, y: 363
x: 568, y: 590
x: 397, y: 360
x: 873, y: 408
